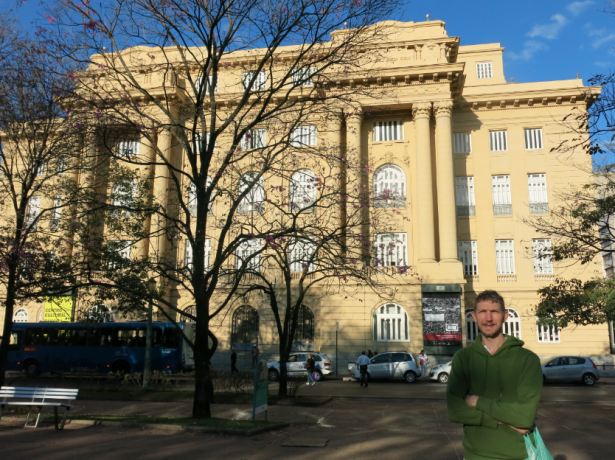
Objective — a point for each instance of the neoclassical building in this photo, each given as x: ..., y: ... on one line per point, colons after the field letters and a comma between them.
x: 465, y: 156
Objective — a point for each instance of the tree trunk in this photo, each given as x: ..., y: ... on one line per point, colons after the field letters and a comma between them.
x: 203, y: 385
x: 283, y: 389
x: 9, y: 306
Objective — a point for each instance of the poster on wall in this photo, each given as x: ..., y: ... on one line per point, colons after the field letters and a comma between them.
x: 58, y: 309
x: 442, y: 321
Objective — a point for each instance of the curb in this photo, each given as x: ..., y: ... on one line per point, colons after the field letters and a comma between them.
x: 164, y: 426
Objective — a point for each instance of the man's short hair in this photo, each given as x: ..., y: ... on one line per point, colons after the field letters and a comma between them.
x: 490, y: 296
x: 362, y: 352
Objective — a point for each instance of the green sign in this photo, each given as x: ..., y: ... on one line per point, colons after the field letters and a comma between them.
x: 261, y: 389
x: 58, y: 309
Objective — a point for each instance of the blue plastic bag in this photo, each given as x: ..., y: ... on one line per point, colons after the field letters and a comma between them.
x: 538, y: 451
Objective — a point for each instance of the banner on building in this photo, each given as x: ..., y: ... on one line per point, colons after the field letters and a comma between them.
x: 442, y: 321
x: 58, y: 309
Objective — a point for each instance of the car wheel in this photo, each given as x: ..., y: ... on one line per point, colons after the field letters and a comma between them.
x: 589, y: 379
x: 443, y: 377
x: 121, y: 367
x: 410, y: 377
x: 544, y: 379
x: 317, y: 375
x: 273, y: 375
x: 31, y: 367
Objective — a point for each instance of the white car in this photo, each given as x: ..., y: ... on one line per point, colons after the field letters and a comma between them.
x: 389, y: 365
x: 441, y: 372
x: 296, y: 361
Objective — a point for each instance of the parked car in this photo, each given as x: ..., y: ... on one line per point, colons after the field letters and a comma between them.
x: 296, y: 361
x: 390, y: 365
x: 570, y: 369
x: 441, y: 372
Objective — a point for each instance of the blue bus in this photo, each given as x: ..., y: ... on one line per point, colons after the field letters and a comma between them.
x: 104, y: 347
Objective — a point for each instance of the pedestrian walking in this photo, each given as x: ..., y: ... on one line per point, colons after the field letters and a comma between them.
x: 369, y: 354
x: 423, y: 361
x: 494, y: 387
x: 362, y: 362
x: 234, y: 362
x: 310, y: 367
x: 255, y: 353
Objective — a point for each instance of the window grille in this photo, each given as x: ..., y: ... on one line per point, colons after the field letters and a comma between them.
x: 99, y: 314
x: 464, y: 196
x: 119, y: 253
x: 498, y: 141
x: 303, y: 135
x: 548, y: 334
x: 389, y: 186
x: 128, y: 148
x: 537, y: 187
x: 462, y: 143
x: 302, y: 189
x: 20, y: 316
x: 248, y: 256
x: 484, y: 70
x: 55, y: 215
x: 254, y: 139
x: 209, y: 85
x: 304, y: 333
x: 123, y: 196
x: 505, y: 257
x: 259, y: 83
x: 253, y: 200
x: 301, y: 253
x: 392, y: 323
x: 34, y: 210
x: 303, y: 76
x: 189, y: 255
x: 244, y: 333
x: 502, y: 201
x: 543, y: 262
x: 533, y: 139
x: 388, y: 131
x: 468, y: 255
x: 391, y: 250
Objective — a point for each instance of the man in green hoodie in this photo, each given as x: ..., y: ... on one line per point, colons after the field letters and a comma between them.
x: 494, y: 387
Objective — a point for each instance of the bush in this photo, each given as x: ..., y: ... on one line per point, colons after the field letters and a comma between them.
x: 232, y: 382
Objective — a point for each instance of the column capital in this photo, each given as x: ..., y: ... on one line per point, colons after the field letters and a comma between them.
x: 355, y: 116
x: 421, y: 110
x: 443, y: 108
x: 334, y: 120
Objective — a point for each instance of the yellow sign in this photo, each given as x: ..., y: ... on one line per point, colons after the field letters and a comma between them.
x: 58, y: 309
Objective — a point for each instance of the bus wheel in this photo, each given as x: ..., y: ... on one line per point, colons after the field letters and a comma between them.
x: 121, y: 367
x: 31, y: 367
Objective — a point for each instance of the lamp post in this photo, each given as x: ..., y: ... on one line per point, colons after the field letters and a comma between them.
x: 147, y: 367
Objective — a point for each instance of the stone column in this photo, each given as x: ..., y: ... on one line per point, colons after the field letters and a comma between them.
x: 334, y: 146
x: 447, y: 218
x: 426, y: 234
x: 162, y: 192
x: 355, y: 177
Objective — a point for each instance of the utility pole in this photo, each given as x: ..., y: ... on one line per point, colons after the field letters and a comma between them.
x: 147, y: 367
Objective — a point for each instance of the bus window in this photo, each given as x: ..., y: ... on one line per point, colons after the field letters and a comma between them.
x: 169, y: 337
x: 77, y: 337
x: 100, y: 337
x: 141, y: 337
x: 15, y: 340
x: 62, y: 337
x: 125, y: 337
x: 156, y: 337
x: 34, y: 336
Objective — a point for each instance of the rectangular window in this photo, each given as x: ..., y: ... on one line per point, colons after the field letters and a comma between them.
x: 303, y: 135
x: 120, y: 253
x: 388, y: 131
x: 484, y: 70
x: 537, y: 186
x: 462, y: 143
x: 533, y: 139
x: 55, y: 215
x: 303, y: 76
x: 543, y: 262
x: 606, y: 241
x: 468, y: 255
x: 39, y: 168
x: 464, y: 196
x: 34, y: 209
x: 502, y: 201
x: 259, y: 83
x: 498, y: 141
x: 198, y: 142
x: 548, y: 334
x: 128, y: 148
x: 391, y: 250
x: 123, y: 197
x: 248, y: 255
x: 505, y: 257
x: 62, y: 165
x: 209, y: 85
x: 301, y: 252
x: 254, y: 139
x: 189, y: 258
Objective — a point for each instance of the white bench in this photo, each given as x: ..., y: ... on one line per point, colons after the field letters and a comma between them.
x: 38, y: 398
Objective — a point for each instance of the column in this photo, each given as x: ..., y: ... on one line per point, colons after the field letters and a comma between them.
x: 148, y: 151
x: 426, y: 233
x: 334, y: 146
x: 447, y: 218
x: 162, y: 191
x: 355, y: 178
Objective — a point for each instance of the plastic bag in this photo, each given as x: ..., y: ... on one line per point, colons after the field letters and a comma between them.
x: 539, y: 451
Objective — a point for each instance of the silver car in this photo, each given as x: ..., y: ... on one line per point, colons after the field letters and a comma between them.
x: 295, y: 366
x: 441, y: 372
x: 391, y: 365
x: 570, y: 369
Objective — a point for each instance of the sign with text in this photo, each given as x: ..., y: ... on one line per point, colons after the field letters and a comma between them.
x: 442, y: 320
x: 58, y: 309
x: 261, y: 389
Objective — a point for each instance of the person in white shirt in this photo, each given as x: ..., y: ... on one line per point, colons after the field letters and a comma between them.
x: 424, y: 361
x: 362, y: 362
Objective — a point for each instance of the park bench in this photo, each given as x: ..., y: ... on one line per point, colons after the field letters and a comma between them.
x: 38, y: 398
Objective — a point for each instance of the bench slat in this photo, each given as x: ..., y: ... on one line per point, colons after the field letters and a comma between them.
x: 14, y: 403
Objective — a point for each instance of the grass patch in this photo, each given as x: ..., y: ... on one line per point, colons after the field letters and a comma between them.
x: 180, y: 421
x: 158, y: 396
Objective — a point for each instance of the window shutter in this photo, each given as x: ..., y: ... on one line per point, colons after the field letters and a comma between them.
x: 505, y: 257
x: 207, y: 253
x: 484, y: 70
x: 501, y: 190
x: 542, y: 265
x: 189, y: 256
x: 245, y: 140
x: 55, y: 216
x: 34, y: 209
x: 462, y: 143
x: 468, y: 255
x: 533, y: 139
x: 192, y: 199
x: 498, y: 141
x: 312, y: 135
x: 537, y: 185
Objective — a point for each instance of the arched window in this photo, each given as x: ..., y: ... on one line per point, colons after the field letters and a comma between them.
x: 304, y: 334
x: 99, y: 314
x: 20, y: 316
x: 193, y: 200
x: 302, y: 189
x: 512, y: 326
x: 244, y: 334
x: 253, y: 200
x: 189, y: 311
x: 390, y: 186
x: 392, y: 323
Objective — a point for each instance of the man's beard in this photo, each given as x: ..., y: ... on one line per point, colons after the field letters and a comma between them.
x: 494, y: 334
